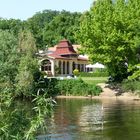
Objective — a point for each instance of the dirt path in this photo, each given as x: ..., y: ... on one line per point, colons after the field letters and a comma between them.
x: 109, y: 93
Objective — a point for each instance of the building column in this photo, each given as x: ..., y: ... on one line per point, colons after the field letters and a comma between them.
x: 56, y: 63
x: 52, y: 67
x: 65, y: 67
x: 61, y: 67
x: 76, y: 65
x: 84, y: 67
x: 70, y: 67
x: 40, y: 65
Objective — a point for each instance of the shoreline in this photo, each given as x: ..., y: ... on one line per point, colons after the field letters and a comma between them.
x: 98, y: 97
x: 106, y: 93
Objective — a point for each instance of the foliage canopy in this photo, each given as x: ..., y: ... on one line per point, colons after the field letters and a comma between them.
x: 110, y: 34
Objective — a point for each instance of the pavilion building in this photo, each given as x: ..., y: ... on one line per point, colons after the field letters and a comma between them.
x: 62, y: 59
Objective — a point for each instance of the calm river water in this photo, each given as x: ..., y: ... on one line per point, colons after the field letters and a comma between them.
x: 85, y: 119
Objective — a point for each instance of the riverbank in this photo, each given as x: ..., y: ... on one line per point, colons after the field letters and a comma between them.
x: 106, y: 93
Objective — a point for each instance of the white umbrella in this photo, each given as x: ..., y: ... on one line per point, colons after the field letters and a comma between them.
x: 89, y: 66
x: 97, y: 65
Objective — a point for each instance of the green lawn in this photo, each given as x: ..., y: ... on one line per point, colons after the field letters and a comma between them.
x: 94, y: 80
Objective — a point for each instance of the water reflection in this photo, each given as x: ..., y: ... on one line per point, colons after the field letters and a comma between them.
x: 91, y: 118
x: 123, y: 120
x: 80, y: 119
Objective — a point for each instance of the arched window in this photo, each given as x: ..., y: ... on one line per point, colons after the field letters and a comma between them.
x: 46, y: 65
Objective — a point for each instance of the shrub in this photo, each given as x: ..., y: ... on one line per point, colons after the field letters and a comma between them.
x: 76, y: 72
x: 77, y: 87
x: 48, y: 85
x: 94, y: 74
x: 131, y: 85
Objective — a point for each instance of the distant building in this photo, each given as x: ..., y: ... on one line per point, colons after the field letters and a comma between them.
x: 62, y: 59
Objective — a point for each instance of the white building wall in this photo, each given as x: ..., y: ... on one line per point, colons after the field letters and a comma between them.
x: 52, y: 67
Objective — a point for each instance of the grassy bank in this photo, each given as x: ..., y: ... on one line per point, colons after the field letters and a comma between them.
x: 94, y: 80
x: 132, y: 86
x: 77, y: 87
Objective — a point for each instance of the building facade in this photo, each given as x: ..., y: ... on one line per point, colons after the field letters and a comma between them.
x: 62, y: 59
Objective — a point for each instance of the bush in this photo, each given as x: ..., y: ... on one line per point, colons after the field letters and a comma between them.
x: 76, y: 72
x: 48, y: 85
x: 67, y: 87
x: 98, y: 73
x: 131, y: 85
x: 77, y: 87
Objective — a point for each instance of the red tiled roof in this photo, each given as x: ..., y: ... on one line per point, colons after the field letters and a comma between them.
x: 66, y: 58
x: 64, y: 47
x: 75, y: 47
x: 58, y: 56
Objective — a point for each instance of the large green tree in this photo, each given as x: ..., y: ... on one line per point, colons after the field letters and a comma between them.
x: 28, y: 66
x: 19, y: 76
x: 109, y: 33
x: 47, y: 27
x: 37, y: 23
x: 12, y: 25
x: 8, y: 58
x: 62, y: 26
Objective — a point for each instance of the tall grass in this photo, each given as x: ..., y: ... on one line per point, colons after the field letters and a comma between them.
x: 131, y: 85
x: 77, y: 87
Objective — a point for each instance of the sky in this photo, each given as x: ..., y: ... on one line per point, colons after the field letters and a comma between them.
x: 24, y: 9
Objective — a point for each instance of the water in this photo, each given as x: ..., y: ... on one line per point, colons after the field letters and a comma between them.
x: 85, y: 119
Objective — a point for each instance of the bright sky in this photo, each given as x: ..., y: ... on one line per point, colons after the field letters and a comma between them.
x: 23, y: 9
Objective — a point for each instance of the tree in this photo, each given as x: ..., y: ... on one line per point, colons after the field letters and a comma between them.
x: 9, y: 58
x: 12, y: 25
x: 37, y: 23
x: 109, y: 33
x: 47, y: 27
x: 28, y: 66
x: 64, y: 25
x: 19, y: 76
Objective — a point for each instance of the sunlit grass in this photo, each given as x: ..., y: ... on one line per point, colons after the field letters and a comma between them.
x: 94, y: 80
